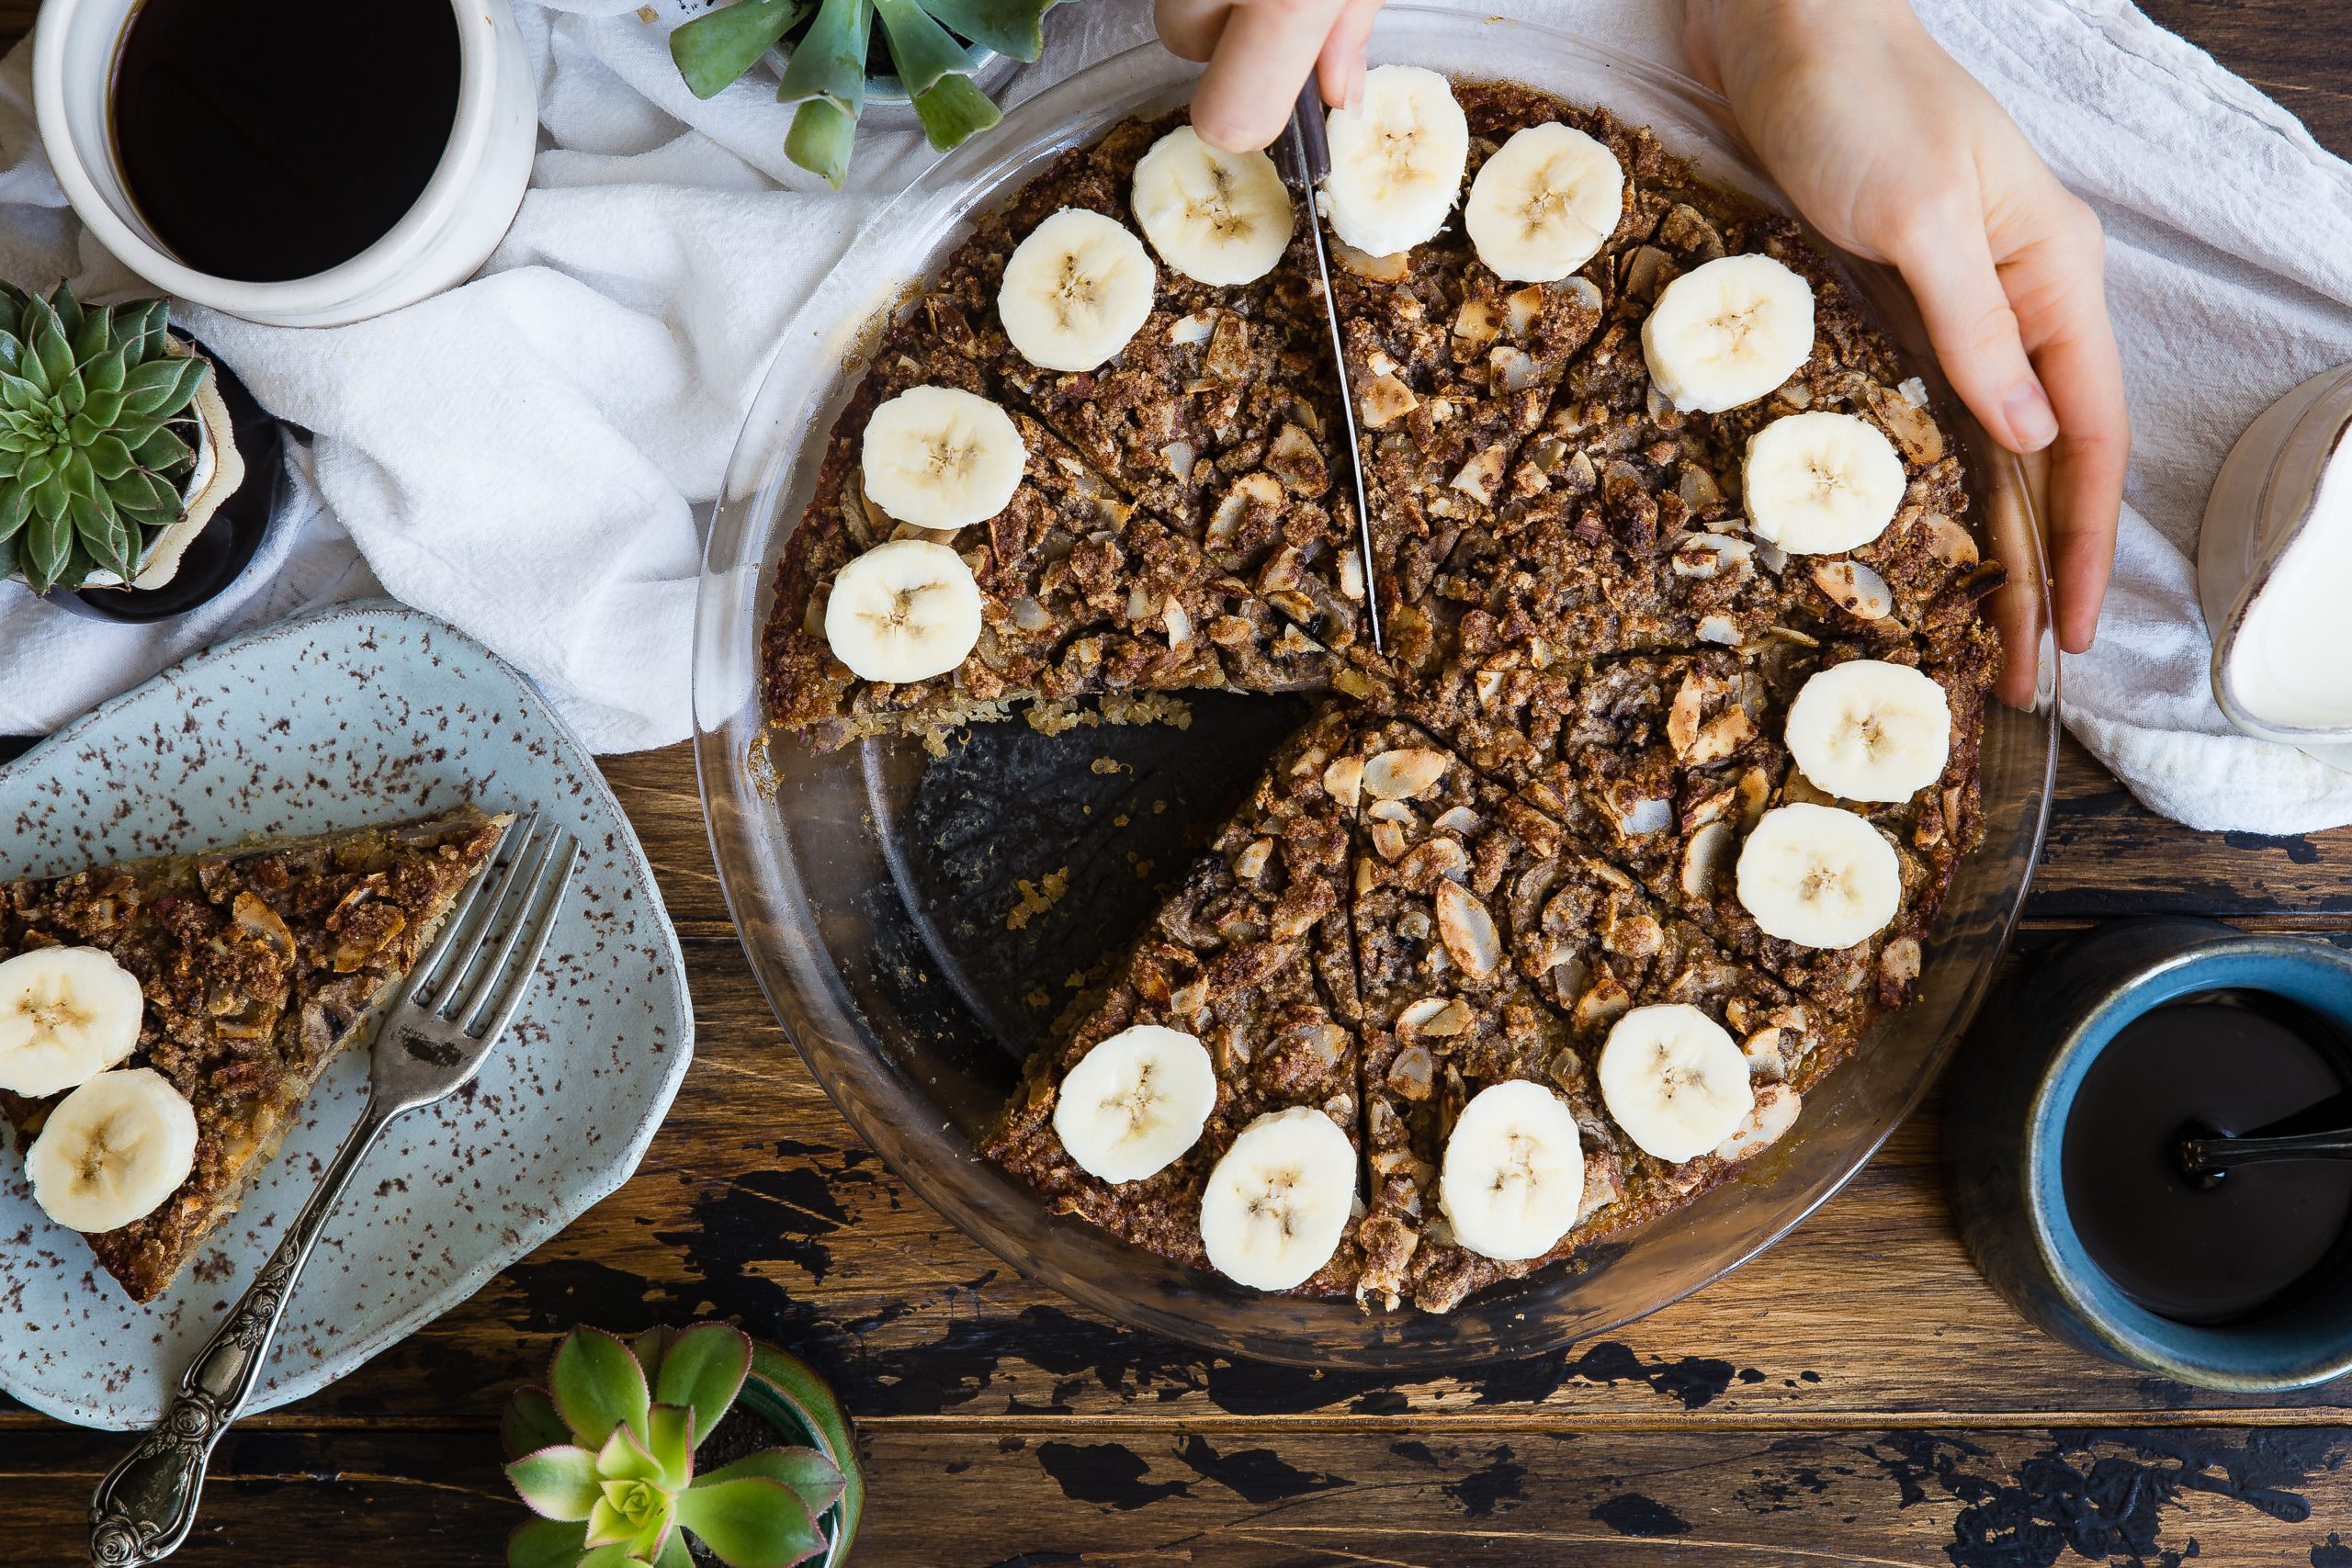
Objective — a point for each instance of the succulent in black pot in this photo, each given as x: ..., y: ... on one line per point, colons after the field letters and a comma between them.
x: 126, y: 487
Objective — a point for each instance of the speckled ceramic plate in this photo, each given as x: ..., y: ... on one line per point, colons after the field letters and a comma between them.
x: 360, y: 712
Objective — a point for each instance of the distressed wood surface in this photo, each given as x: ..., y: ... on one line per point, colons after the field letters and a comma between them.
x: 1856, y: 1395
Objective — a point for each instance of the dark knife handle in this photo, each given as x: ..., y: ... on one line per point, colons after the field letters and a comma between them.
x: 1309, y: 146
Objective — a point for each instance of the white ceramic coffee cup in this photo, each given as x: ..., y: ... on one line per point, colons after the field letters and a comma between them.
x: 464, y: 211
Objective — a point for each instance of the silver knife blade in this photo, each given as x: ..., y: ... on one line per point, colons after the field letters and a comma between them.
x: 1309, y: 160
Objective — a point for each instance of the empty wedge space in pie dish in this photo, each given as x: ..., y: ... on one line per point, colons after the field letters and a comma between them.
x: 1199, y: 959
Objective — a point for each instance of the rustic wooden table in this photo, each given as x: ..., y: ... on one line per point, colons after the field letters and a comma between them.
x: 1855, y: 1395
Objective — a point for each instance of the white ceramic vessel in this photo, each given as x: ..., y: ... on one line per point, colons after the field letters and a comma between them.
x: 2272, y: 560
x: 450, y: 231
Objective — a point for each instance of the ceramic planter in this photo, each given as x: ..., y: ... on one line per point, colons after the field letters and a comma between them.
x: 450, y: 231
x: 231, y: 501
x: 793, y: 1402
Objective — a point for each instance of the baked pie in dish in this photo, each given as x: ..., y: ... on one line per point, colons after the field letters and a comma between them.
x: 1554, y: 913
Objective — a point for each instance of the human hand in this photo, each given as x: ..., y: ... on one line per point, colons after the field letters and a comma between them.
x: 1259, y: 53
x: 1895, y: 152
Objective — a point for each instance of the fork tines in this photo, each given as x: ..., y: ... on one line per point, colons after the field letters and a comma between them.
x: 475, y: 973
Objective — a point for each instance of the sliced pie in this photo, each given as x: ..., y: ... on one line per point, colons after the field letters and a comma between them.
x: 1498, y: 948
x: 256, y: 966
x: 1250, y: 962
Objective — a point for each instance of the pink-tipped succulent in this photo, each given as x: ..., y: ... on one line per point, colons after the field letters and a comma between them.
x: 604, y: 1455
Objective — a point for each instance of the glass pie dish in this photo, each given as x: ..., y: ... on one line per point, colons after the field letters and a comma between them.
x: 916, y: 921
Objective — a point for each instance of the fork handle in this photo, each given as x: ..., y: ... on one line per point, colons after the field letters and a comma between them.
x: 146, y: 1506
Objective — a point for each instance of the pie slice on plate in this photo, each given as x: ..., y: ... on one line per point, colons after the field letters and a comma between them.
x: 252, y: 967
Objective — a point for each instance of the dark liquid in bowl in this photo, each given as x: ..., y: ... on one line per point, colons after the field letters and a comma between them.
x: 2234, y: 1061
x: 268, y: 140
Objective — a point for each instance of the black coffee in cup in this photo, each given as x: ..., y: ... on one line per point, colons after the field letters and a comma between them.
x: 269, y: 140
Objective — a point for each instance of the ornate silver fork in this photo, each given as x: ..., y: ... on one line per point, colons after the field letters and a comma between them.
x: 440, y: 1026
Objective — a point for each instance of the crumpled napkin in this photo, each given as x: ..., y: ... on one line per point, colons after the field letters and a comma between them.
x: 531, y: 455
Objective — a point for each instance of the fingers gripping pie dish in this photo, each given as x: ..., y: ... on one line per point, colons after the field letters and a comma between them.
x: 1552, y: 914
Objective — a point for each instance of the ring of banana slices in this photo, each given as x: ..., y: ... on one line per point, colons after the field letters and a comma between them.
x: 122, y: 1139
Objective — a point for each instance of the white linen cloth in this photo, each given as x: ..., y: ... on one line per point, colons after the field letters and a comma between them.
x: 528, y: 455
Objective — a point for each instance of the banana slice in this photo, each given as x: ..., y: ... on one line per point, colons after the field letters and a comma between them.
x: 903, y: 611
x: 1075, y: 290
x: 66, y: 1015
x: 1513, y: 1176
x: 1220, y: 217
x: 1727, y: 332
x: 1818, y: 483
x: 942, y: 459
x: 1674, y: 1080
x: 1545, y: 204
x: 1818, y: 876
x: 1280, y: 1200
x: 1869, y: 730
x: 112, y: 1150
x: 1396, y: 160
x: 1136, y: 1103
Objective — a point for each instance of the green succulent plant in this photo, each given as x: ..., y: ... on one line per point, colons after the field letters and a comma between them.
x: 91, y: 466
x: 829, y: 42
x: 604, y: 1455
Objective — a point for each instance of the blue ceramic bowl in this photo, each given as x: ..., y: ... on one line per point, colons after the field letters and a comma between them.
x: 2003, y: 1125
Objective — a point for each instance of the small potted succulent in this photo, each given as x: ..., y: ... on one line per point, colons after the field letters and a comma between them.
x: 658, y: 1450
x: 928, y: 51
x: 117, y: 448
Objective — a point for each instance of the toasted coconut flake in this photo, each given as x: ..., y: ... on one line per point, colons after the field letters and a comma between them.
x: 1513, y: 370
x: 1900, y: 961
x: 1407, y: 773
x: 1457, y: 819
x: 1385, y: 400
x: 1351, y: 575
x: 1412, y: 1073
x: 1474, y: 323
x: 1180, y: 456
x: 1605, y: 1001
x: 1467, y: 930
x: 1378, y: 269
x: 1253, y: 859
x: 1775, y: 1112
x: 1641, y: 816
x: 1948, y: 542
x: 1387, y: 841
x: 1855, y: 589
x: 1709, y: 555
x: 1483, y: 475
x: 1721, y: 630
x: 1343, y: 779
x: 1178, y: 624
x: 1703, y: 858
x: 1766, y: 1064
x: 1394, y: 811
